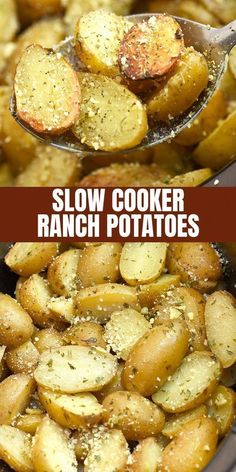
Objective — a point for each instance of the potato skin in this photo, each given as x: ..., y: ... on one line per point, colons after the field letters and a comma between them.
x: 16, y: 326
x: 196, y: 263
x: 155, y: 357
x: 23, y: 359
x: 136, y: 416
x: 192, y: 448
x: 15, y: 393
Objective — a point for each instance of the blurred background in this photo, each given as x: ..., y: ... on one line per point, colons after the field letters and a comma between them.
x: 185, y: 161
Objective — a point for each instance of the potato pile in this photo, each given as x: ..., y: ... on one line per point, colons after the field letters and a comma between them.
x: 186, y: 161
x: 113, y: 357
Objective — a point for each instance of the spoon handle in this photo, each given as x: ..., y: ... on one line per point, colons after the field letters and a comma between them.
x: 226, y: 36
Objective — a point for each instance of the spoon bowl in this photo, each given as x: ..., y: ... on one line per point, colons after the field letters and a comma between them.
x: 214, y: 43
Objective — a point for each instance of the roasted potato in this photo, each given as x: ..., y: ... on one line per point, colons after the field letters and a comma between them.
x: 22, y: 359
x: 219, y: 147
x: 151, y: 49
x: 47, y: 338
x: 146, y: 456
x: 206, y: 121
x: 98, y: 36
x: 142, y: 263
x: 30, y: 258
x: 29, y: 422
x: 102, y: 99
x: 75, y: 369
x: 197, y: 264
x: 136, y: 416
x: 34, y: 296
x: 62, y: 309
x: 16, y: 326
x: 175, y: 423
x: 15, y: 448
x: 109, y: 452
x: 221, y: 311
x: 9, y: 23
x: 194, y: 10
x: 80, y: 410
x: 172, y: 159
x: 99, y: 264
x: 191, y: 384
x: 225, y: 11
x: 50, y: 168
x: 15, y: 393
x: 192, y: 448
x: 51, y: 450
x: 42, y: 74
x: 222, y: 407
x: 62, y: 272
x: 182, y: 89
x: 124, y: 329
x: 148, y: 294
x: 101, y: 301
x: 191, y: 179
x: 155, y: 357
x: 6, y: 177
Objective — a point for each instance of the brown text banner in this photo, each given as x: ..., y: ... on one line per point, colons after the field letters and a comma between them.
x: 125, y: 214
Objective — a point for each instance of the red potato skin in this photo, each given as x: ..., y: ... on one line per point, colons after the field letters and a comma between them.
x: 140, y: 59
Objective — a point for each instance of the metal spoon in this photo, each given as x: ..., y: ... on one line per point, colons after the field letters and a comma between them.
x: 214, y: 43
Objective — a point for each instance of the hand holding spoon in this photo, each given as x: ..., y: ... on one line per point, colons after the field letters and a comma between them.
x: 214, y: 43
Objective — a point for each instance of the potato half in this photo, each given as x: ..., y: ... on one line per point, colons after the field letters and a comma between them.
x: 146, y: 456
x: 108, y: 453
x: 191, y: 384
x: 222, y: 407
x: 51, y: 449
x: 81, y: 410
x: 15, y: 393
x: 102, y: 99
x: 15, y: 449
x: 29, y: 258
x: 142, y: 263
x: 152, y: 48
x: 47, y: 91
x: 62, y: 272
x: 75, y: 369
x: 98, y: 36
x: 16, y: 326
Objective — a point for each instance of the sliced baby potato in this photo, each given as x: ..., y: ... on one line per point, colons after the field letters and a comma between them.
x: 98, y: 36
x: 220, y: 316
x: 29, y: 422
x: 85, y: 334
x: 198, y: 264
x: 146, y: 456
x: 102, y: 99
x: 51, y: 450
x: 62, y: 308
x: 75, y: 369
x: 182, y: 89
x: 148, y: 294
x: 30, y: 258
x: 34, y: 296
x: 23, y: 359
x: 47, y: 91
x: 62, y: 272
x: 84, y: 439
x: 99, y: 264
x: 15, y: 393
x: 155, y: 357
x: 191, y: 384
x: 175, y: 423
x: 222, y: 407
x: 124, y: 329
x: 81, y: 410
x: 152, y: 48
x: 218, y: 148
x: 115, y: 385
x: 47, y: 338
x: 136, y: 416
x: 142, y: 263
x: 194, y: 314
x: 192, y: 448
x: 15, y: 449
x: 100, y: 301
x: 191, y: 179
x: 16, y: 326
x: 206, y: 121
x: 108, y: 453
